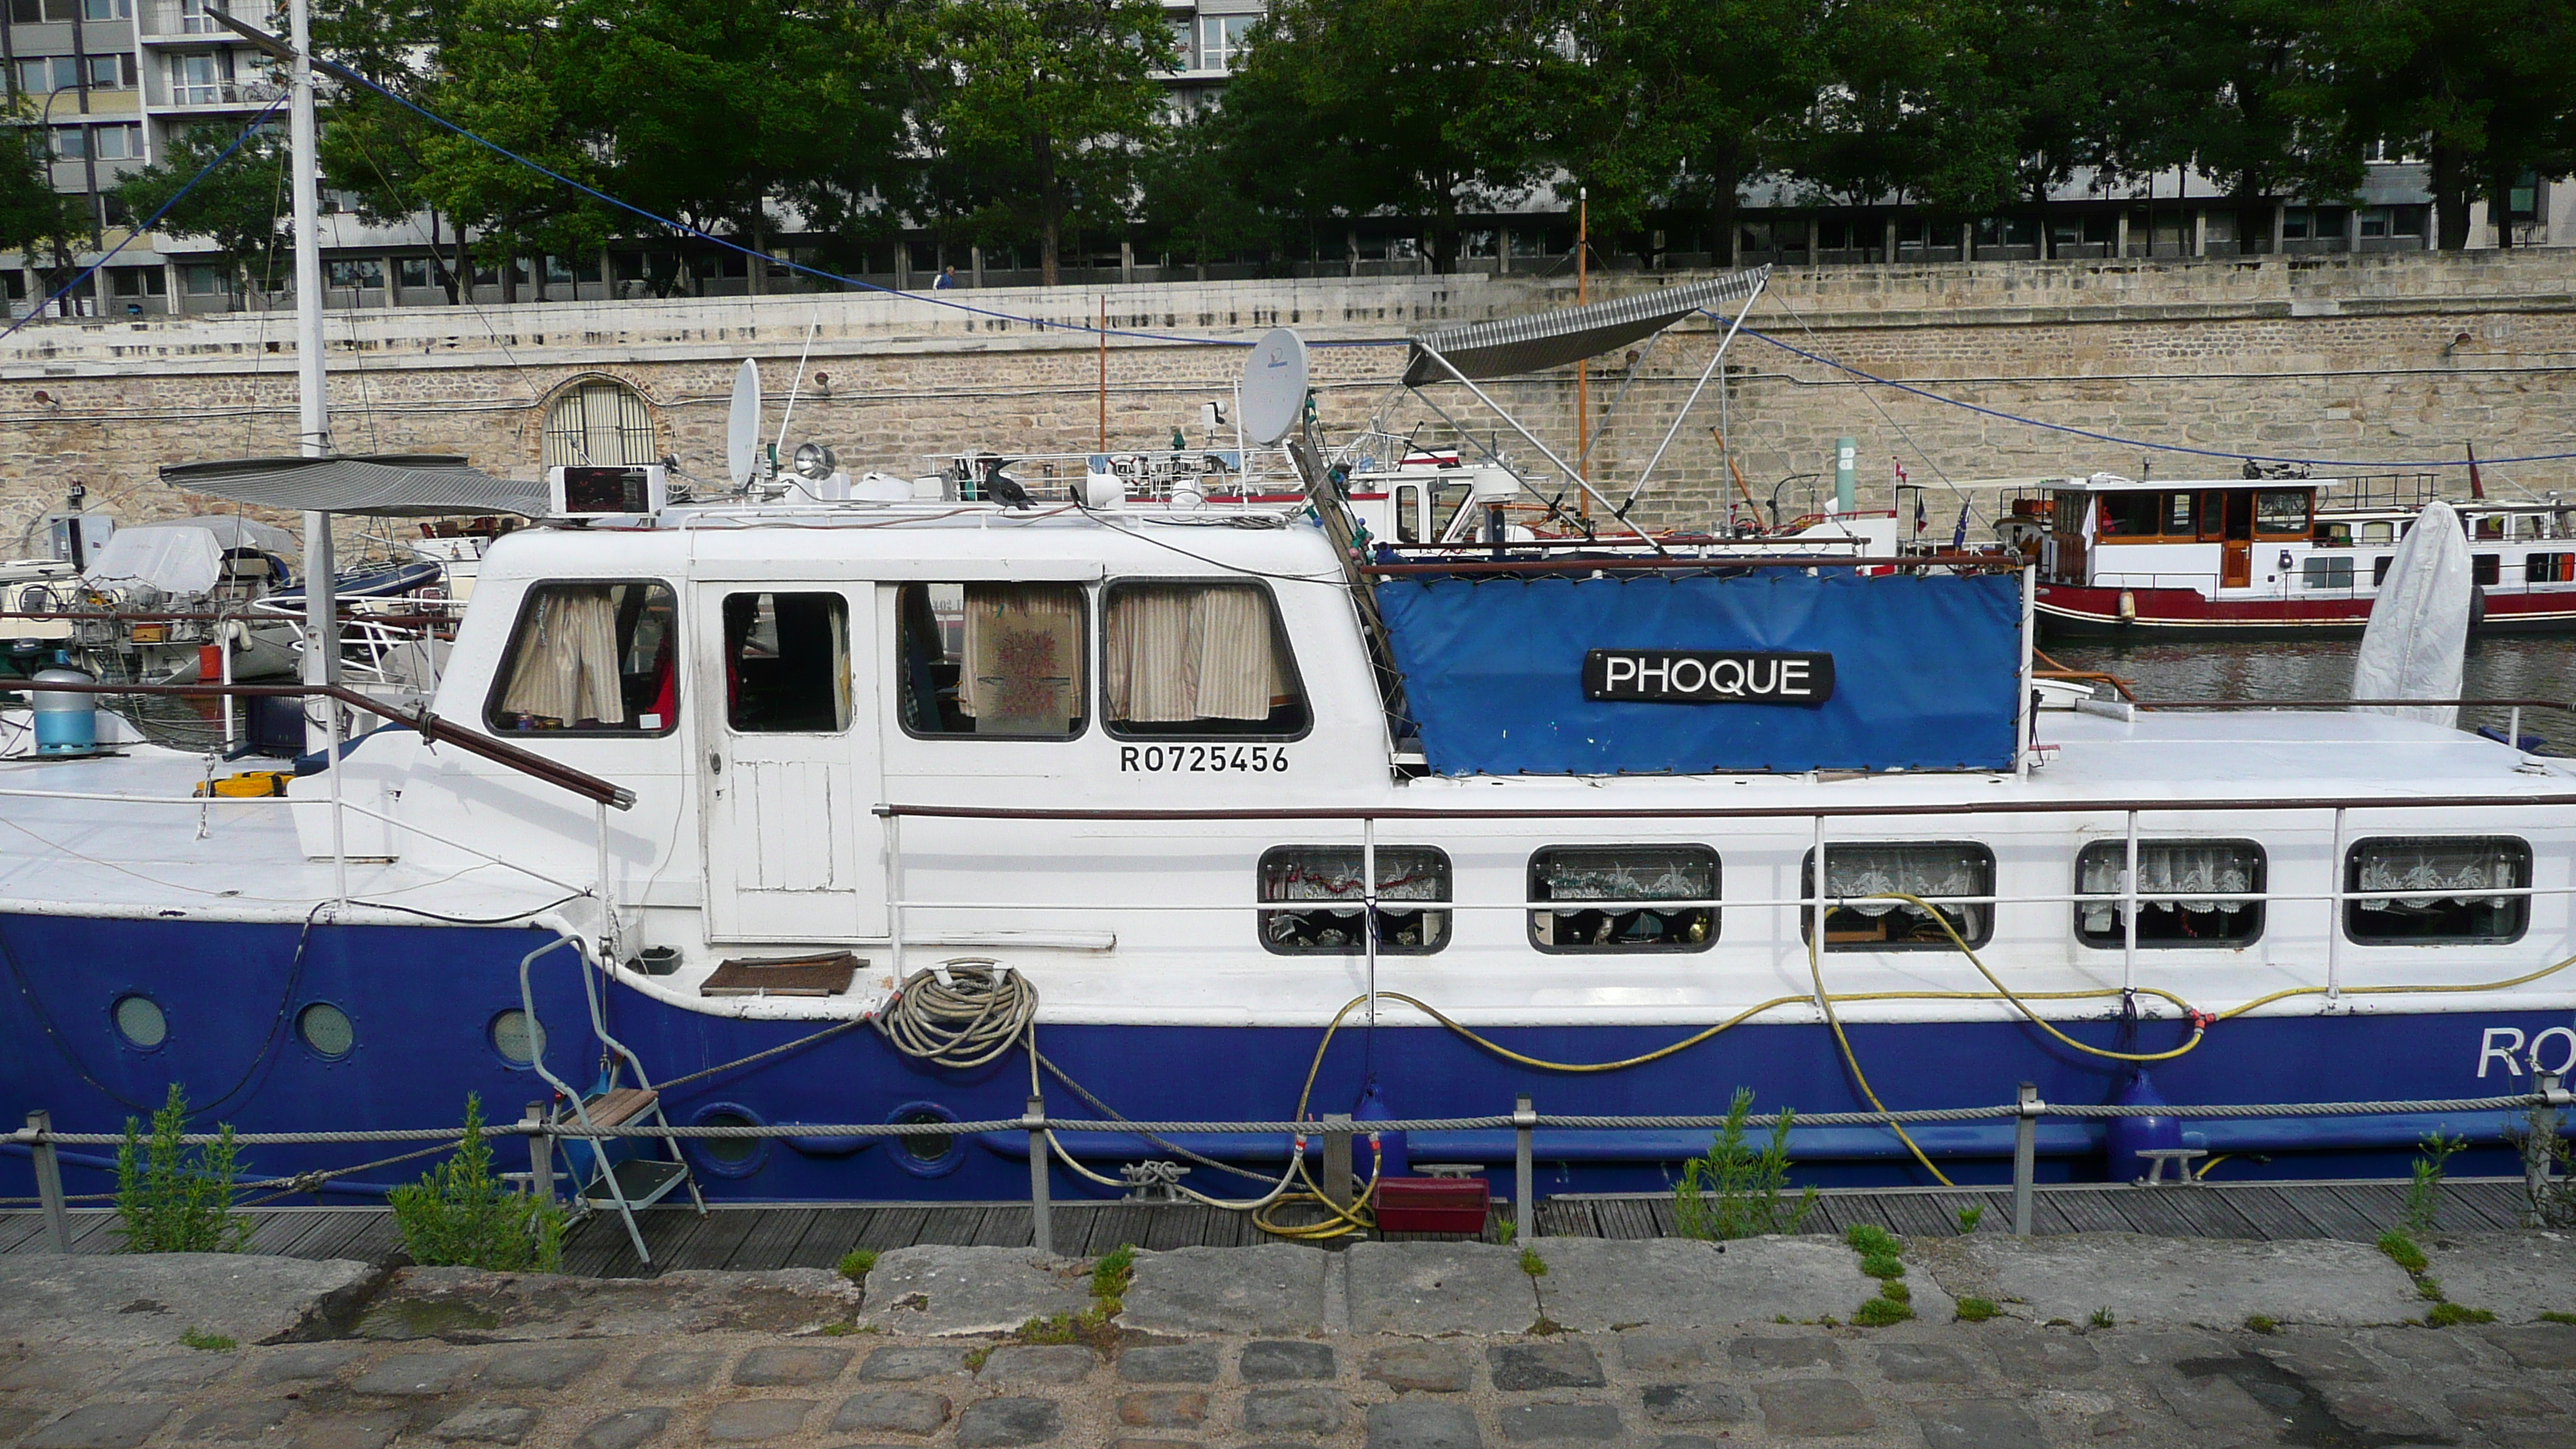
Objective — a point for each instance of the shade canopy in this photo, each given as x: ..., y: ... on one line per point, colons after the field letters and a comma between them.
x: 1511, y: 346
x: 400, y: 485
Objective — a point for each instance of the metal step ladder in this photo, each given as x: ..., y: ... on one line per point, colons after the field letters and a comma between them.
x: 624, y: 1183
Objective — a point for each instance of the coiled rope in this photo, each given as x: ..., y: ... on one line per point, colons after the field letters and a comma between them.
x: 961, y: 1013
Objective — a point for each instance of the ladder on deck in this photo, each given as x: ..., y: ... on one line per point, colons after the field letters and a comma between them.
x: 621, y: 1183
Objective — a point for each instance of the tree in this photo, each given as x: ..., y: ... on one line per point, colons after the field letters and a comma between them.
x: 1042, y: 112
x: 1194, y: 202
x: 39, y: 223
x: 241, y: 205
x: 1423, y: 109
x: 2235, y: 88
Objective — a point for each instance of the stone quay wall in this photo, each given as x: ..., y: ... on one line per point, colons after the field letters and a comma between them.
x: 2355, y: 360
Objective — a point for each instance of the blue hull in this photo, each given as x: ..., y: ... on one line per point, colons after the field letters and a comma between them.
x: 422, y: 999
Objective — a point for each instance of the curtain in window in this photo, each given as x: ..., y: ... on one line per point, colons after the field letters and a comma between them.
x: 1930, y: 871
x: 1180, y: 652
x: 567, y: 665
x: 1332, y: 873
x: 1626, y: 875
x: 2434, y: 865
x: 2168, y: 872
x: 1023, y: 656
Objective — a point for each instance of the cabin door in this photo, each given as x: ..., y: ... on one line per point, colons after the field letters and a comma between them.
x: 2236, y: 554
x: 792, y: 773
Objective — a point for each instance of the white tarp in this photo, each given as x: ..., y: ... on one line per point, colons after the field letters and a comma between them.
x: 2418, y: 636
x: 185, y: 556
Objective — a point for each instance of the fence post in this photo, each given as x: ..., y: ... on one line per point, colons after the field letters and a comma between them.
x: 1524, y: 1188
x: 1041, y: 1224
x: 1337, y: 1158
x: 541, y: 1153
x: 2025, y: 1155
x: 2539, y: 1148
x: 49, y: 1180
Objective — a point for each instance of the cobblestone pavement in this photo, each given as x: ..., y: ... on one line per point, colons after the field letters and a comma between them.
x: 1996, y: 1385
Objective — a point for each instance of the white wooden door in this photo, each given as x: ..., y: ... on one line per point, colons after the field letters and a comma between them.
x: 788, y: 713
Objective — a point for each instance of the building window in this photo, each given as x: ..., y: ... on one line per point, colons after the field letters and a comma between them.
x: 992, y: 660
x: 1601, y: 895
x: 787, y: 663
x: 366, y: 272
x: 107, y: 9
x: 1945, y: 875
x: 600, y: 423
x: 414, y: 272
x: 1222, y: 39
x: 204, y: 279
x: 2423, y: 867
x: 118, y: 143
x: 1334, y: 873
x: 111, y: 72
x: 195, y: 80
x: 2175, y: 879
x: 71, y: 143
x: 1197, y: 661
x: 2326, y: 573
x: 594, y: 658
x: 139, y: 281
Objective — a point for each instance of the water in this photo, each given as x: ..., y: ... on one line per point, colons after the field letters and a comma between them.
x: 2502, y: 667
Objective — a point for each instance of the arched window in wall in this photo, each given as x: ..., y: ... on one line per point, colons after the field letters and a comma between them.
x: 600, y: 422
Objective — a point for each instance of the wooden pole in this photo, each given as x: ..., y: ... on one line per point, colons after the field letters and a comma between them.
x: 1104, y: 374
x: 1582, y: 370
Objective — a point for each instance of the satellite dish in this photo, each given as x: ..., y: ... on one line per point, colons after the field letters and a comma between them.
x: 1274, y: 386
x: 742, y: 425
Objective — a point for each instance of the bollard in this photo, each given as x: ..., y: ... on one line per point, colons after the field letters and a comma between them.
x: 1041, y: 1216
x: 1337, y: 1159
x: 541, y: 1153
x: 2025, y: 1155
x: 49, y: 1180
x: 1524, y: 1185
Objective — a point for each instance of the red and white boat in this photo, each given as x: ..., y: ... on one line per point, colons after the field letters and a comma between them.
x: 2129, y: 557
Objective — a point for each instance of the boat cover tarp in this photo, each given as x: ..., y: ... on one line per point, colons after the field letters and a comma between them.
x: 2416, y: 645
x: 1926, y: 671
x: 181, y: 555
x: 1536, y: 341
x: 393, y: 485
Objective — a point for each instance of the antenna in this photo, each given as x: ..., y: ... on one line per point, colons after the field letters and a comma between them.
x: 1274, y: 386
x: 742, y: 425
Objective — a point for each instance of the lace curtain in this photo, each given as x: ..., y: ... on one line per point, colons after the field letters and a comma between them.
x: 2436, y: 865
x: 1930, y: 871
x: 2172, y: 874
x: 1180, y: 652
x: 1332, y: 873
x: 1023, y: 657
x: 1626, y: 875
x: 566, y: 670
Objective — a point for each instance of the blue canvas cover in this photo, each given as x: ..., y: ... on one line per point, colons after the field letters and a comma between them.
x: 1926, y: 671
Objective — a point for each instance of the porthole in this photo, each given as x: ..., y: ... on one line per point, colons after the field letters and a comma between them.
x: 326, y: 1029
x: 927, y: 1154
x: 728, y: 1156
x: 516, y: 1038
x: 140, y: 1022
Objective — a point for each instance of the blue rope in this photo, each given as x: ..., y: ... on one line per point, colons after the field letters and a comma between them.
x: 1903, y: 387
x: 92, y: 269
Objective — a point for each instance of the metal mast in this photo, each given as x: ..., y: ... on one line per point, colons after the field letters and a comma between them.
x: 313, y: 429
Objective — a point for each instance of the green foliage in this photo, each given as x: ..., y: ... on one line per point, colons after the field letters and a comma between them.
x: 36, y: 221
x: 856, y: 1263
x: 2424, y: 1191
x: 1894, y: 1289
x: 241, y: 206
x: 2447, y: 1315
x: 2402, y: 1248
x: 208, y: 1342
x: 978, y: 1356
x: 172, y: 1197
x: 2554, y: 1316
x: 1882, y: 1312
x: 2103, y: 1318
x: 1505, y: 1230
x: 1869, y: 1241
x: 1976, y: 1310
x: 1738, y: 1190
x: 2261, y: 1323
x: 460, y: 1215
x: 1883, y: 1265
x: 1969, y: 1216
x: 1111, y: 1275
x: 2428, y: 1286
x: 1532, y: 1263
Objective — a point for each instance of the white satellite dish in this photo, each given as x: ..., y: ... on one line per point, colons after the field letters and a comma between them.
x: 742, y: 425
x: 1274, y: 386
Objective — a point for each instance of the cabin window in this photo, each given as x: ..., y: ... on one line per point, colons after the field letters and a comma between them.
x: 2379, y: 569
x: 2178, y: 515
x: 2326, y: 573
x: 2332, y: 535
x: 1602, y: 896
x: 2379, y: 531
x: 1197, y: 661
x: 2491, y: 526
x: 1940, y: 873
x: 1408, y: 507
x: 593, y: 658
x: 2175, y: 880
x: 2486, y: 568
x: 2281, y: 510
x: 2424, y: 867
x: 787, y: 663
x: 993, y: 661
x: 2549, y: 568
x: 1334, y: 873
x: 2126, y: 515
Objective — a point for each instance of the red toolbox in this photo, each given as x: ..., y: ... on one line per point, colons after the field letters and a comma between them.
x: 1433, y: 1204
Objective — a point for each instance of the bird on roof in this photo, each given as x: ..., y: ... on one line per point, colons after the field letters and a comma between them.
x: 1000, y: 487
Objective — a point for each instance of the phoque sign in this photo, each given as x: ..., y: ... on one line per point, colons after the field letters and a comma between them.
x: 1708, y: 676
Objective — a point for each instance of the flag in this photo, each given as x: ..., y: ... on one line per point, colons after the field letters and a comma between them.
x: 1959, y: 535
x: 1919, y: 519
x: 2477, y: 485
x: 1900, y: 470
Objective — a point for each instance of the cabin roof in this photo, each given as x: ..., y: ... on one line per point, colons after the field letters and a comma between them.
x: 2114, y: 483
